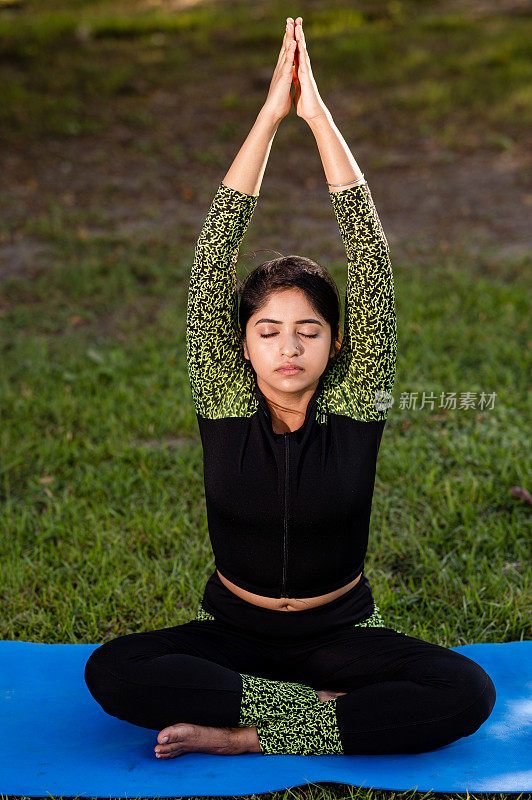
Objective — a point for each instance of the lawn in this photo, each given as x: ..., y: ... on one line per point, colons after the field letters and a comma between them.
x: 117, y: 121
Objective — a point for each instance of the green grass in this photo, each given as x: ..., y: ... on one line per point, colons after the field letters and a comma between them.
x: 431, y: 68
x: 103, y: 526
x: 101, y: 480
x: 95, y: 382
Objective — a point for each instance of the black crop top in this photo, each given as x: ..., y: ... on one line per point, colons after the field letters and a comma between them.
x: 288, y: 513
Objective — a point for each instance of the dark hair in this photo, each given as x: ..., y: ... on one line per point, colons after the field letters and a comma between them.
x: 285, y: 273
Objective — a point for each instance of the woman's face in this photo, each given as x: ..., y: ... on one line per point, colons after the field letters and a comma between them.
x: 288, y: 330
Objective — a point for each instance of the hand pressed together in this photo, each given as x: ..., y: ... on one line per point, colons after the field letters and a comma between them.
x: 293, y: 66
x: 307, y: 100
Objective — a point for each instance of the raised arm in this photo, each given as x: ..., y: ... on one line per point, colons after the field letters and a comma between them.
x: 216, y: 365
x: 220, y: 376
x: 360, y: 383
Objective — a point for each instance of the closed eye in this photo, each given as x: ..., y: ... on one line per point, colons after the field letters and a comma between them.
x: 306, y: 335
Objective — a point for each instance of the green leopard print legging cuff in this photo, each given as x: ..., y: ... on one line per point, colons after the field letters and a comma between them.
x: 265, y: 700
x: 312, y: 732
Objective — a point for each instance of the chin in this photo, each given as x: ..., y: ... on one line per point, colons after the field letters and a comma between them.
x: 298, y: 382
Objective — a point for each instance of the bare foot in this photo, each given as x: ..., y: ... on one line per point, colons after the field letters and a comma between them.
x: 188, y: 738
x: 326, y: 694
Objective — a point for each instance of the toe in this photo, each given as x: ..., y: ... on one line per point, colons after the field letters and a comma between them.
x: 175, y: 736
x: 166, y: 749
x: 169, y: 734
x: 170, y: 754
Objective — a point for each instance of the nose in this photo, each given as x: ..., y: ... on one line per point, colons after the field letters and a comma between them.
x: 290, y: 346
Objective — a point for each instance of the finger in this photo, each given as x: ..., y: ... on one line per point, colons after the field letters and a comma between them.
x: 288, y: 53
x: 289, y: 34
x: 300, y: 32
x: 301, y: 56
x: 289, y: 30
x: 287, y: 38
x: 304, y: 58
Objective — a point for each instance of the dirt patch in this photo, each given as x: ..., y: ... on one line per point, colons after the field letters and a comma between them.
x: 159, y: 182
x: 429, y: 200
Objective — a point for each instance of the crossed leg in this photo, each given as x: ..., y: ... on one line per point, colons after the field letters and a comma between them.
x: 394, y: 693
x: 203, y: 686
x: 402, y: 695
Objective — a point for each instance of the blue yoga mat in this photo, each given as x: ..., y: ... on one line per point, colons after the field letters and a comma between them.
x: 55, y: 739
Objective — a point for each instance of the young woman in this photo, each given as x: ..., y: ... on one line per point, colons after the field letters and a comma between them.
x: 291, y: 420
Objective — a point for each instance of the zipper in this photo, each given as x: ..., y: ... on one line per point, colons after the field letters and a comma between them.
x: 285, y: 542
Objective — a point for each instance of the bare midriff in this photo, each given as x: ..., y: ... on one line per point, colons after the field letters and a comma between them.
x: 287, y: 603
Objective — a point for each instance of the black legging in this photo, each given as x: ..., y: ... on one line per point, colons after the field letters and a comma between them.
x: 238, y: 664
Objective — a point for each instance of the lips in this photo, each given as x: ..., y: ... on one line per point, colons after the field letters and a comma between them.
x: 289, y: 367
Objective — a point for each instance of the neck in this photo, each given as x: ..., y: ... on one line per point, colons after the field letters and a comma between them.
x: 287, y: 407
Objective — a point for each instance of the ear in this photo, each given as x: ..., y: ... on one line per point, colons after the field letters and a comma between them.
x: 246, y: 354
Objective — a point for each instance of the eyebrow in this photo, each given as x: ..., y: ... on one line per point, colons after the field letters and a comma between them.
x: 278, y: 321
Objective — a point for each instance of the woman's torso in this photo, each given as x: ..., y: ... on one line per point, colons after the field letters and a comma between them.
x: 287, y: 603
x: 289, y: 510
x: 282, y: 425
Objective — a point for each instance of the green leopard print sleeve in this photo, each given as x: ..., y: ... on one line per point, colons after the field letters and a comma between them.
x: 221, y: 378
x: 360, y: 382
